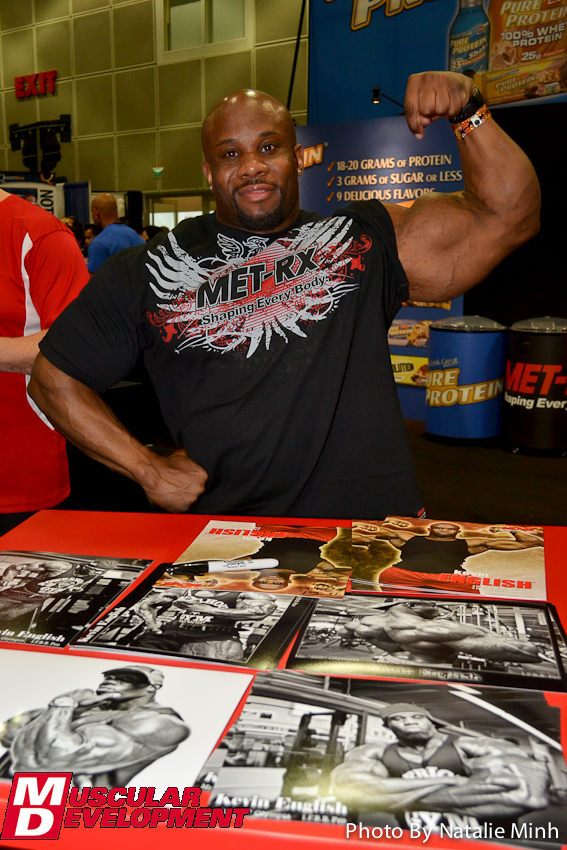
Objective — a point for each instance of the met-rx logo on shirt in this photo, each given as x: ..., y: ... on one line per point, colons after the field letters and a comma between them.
x: 36, y: 805
x: 254, y: 291
x: 249, y: 278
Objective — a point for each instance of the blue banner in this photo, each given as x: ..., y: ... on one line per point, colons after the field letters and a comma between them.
x: 517, y: 50
x: 380, y: 159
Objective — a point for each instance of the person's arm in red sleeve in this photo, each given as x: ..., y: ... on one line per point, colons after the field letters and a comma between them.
x: 57, y: 273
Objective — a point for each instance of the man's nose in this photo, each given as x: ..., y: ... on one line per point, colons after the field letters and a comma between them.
x: 251, y: 164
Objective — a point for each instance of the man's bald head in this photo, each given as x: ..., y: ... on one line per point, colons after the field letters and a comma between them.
x: 104, y: 209
x: 246, y: 101
x: 252, y: 161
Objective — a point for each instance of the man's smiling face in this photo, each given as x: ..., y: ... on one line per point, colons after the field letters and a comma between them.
x: 252, y: 162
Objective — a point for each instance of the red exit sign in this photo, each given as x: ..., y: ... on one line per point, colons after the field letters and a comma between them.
x: 35, y: 84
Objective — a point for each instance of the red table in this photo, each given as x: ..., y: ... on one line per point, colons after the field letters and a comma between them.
x: 163, y: 537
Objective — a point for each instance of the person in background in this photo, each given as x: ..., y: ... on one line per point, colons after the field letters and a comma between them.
x: 113, y: 236
x: 42, y: 271
x: 91, y: 230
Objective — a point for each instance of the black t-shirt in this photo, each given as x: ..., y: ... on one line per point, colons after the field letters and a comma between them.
x: 269, y: 357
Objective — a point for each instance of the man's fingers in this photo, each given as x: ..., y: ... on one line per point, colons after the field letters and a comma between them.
x: 433, y: 95
x: 178, y: 482
x: 180, y: 459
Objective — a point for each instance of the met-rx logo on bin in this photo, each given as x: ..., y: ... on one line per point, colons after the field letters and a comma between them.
x: 36, y: 805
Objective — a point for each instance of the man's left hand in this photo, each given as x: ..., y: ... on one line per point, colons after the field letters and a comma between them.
x: 432, y: 95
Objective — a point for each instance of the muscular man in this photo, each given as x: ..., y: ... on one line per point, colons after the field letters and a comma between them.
x: 427, y: 560
x: 424, y: 630
x: 105, y: 737
x: 430, y: 770
x: 264, y: 327
x: 25, y: 588
x: 42, y: 271
x: 201, y: 622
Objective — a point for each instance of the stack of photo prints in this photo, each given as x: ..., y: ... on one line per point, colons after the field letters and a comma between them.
x: 404, y: 675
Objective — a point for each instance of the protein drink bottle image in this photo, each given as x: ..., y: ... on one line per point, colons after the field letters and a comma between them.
x: 469, y: 37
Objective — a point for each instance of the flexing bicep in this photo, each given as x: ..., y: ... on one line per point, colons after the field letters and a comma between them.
x: 449, y: 242
x: 446, y: 245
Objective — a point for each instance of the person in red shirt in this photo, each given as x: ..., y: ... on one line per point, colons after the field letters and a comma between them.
x: 42, y: 271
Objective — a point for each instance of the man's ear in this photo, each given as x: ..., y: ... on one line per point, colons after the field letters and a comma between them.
x: 298, y: 153
x: 208, y: 174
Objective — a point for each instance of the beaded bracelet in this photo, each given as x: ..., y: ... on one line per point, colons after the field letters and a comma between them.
x: 465, y: 127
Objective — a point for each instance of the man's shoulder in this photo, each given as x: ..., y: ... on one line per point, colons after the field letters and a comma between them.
x: 369, y: 751
x: 195, y: 227
x: 101, y: 238
x: 367, y: 216
x: 370, y: 213
x: 113, y: 247
x: 140, y: 714
x: 151, y: 724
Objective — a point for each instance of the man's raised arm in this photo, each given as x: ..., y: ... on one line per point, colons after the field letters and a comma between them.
x: 448, y: 243
x: 79, y: 413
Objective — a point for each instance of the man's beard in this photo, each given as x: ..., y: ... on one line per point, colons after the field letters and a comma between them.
x: 262, y: 222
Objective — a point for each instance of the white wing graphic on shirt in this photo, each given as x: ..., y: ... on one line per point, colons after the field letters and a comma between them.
x: 177, y: 273
x: 316, y: 263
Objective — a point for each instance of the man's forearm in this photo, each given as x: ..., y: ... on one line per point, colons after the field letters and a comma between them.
x: 86, y: 421
x: 241, y: 614
x: 79, y: 413
x: 17, y: 354
x: 365, y: 791
x: 55, y: 734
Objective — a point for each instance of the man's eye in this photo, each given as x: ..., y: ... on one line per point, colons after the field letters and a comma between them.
x: 269, y: 147
x: 230, y: 154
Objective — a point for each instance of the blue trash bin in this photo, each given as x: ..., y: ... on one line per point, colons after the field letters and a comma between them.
x: 465, y: 378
